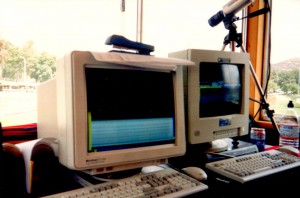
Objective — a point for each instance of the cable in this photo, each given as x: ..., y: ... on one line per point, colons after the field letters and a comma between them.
x: 269, y: 49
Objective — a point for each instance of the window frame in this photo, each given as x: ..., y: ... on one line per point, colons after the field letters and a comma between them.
x: 258, y: 29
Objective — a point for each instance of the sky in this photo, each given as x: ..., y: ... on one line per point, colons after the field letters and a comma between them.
x: 57, y: 26
x: 285, y: 30
x: 60, y: 26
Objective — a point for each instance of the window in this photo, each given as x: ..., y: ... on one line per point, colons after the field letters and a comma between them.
x: 283, y: 53
x: 283, y: 68
x: 285, y: 57
x: 35, y: 34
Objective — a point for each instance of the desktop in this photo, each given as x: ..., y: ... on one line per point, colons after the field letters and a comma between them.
x: 86, y: 80
x: 216, y: 96
x: 114, y: 111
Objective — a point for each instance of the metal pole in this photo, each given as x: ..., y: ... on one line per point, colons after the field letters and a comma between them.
x: 139, y: 25
x: 261, y: 92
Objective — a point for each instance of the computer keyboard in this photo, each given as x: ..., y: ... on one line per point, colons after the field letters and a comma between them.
x: 252, y: 166
x: 164, y: 183
x: 241, y: 151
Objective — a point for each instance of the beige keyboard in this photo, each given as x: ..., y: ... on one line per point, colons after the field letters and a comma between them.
x: 252, y: 166
x: 164, y: 183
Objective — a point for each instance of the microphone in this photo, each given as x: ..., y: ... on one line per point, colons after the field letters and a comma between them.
x: 230, y: 8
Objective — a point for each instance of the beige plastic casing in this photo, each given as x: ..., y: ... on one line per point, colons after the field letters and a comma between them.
x: 67, y: 105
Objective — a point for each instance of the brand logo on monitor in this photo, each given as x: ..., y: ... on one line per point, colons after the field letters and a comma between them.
x: 224, y: 60
x: 224, y: 122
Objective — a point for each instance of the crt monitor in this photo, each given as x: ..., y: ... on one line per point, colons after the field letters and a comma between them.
x: 216, y: 96
x: 114, y: 111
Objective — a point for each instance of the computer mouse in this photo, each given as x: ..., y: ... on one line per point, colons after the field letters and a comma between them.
x: 195, y: 172
x: 289, y: 149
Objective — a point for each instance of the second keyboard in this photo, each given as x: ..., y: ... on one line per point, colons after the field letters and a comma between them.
x: 252, y: 166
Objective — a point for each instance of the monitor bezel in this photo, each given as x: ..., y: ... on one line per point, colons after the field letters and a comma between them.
x: 207, y: 129
x: 209, y: 126
x: 72, y: 121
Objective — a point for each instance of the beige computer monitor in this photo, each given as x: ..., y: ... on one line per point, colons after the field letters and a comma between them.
x: 216, y: 95
x: 153, y: 103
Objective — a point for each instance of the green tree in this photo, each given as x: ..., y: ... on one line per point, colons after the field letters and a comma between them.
x: 19, y: 63
x: 13, y: 64
x: 43, y: 68
x: 2, y: 56
x: 273, y: 86
x: 287, y: 80
x: 28, y: 54
x: 290, y: 88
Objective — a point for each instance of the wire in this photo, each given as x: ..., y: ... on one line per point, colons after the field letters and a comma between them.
x: 268, y: 72
x: 269, y: 50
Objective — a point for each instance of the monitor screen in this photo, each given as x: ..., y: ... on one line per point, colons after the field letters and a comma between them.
x: 114, y: 111
x: 216, y: 94
x: 129, y: 108
x: 220, y: 89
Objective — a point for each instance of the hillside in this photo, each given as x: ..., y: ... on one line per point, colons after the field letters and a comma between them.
x: 293, y: 63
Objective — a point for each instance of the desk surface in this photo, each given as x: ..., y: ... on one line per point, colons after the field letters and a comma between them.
x: 51, y: 177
